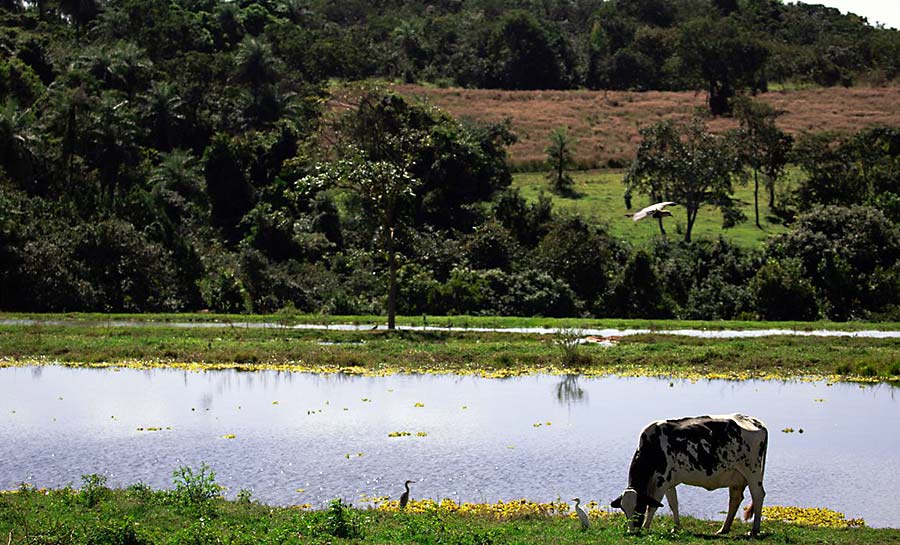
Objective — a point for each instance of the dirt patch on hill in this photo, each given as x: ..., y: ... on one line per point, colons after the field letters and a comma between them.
x: 606, y: 124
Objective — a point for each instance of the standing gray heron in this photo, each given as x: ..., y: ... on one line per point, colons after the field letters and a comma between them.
x: 582, y: 516
x: 657, y: 211
x: 404, y: 498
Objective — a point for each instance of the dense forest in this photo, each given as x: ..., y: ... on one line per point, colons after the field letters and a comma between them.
x: 201, y: 154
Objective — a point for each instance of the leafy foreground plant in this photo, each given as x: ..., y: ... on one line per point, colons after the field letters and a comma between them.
x: 139, y: 516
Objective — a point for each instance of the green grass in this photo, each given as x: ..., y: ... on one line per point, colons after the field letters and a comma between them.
x: 489, y: 353
x: 598, y: 197
x: 139, y: 516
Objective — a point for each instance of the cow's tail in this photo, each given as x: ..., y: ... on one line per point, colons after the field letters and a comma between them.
x: 748, y: 511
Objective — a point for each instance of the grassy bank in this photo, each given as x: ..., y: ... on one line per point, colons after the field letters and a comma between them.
x: 486, y: 353
x: 190, y: 514
x: 288, y: 319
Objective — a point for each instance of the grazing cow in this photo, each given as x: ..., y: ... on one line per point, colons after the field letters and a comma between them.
x: 708, y: 451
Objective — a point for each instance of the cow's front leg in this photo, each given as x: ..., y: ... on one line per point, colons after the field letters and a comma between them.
x: 672, y: 499
x: 735, y: 497
x: 649, y: 518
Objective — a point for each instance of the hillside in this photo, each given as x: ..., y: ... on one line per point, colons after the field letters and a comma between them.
x: 606, y: 124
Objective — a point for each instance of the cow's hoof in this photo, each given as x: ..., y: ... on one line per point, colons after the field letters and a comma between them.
x: 723, y: 532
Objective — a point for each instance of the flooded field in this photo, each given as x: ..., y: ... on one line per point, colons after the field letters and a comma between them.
x: 295, y: 438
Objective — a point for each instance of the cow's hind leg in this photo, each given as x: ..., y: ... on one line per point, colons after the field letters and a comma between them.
x: 735, y: 497
x: 757, y: 495
x: 672, y: 499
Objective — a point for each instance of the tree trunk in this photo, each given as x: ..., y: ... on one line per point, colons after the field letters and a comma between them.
x: 772, y: 193
x: 392, y: 280
x: 756, y: 197
x: 691, y: 217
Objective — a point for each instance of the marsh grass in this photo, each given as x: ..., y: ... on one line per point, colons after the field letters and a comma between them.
x: 486, y: 353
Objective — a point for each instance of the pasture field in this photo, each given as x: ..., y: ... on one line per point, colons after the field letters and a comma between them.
x: 598, y: 197
x: 606, y: 124
x: 139, y: 515
x: 462, y: 352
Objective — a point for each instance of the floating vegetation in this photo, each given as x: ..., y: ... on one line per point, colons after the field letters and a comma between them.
x: 788, y: 430
x: 366, y: 400
x: 300, y: 490
x: 229, y: 436
x: 154, y: 428
x: 811, y: 516
x: 274, y: 403
x: 539, y: 424
x: 419, y: 404
x: 819, y: 400
x: 421, y: 434
x: 399, y: 434
x: 504, y: 372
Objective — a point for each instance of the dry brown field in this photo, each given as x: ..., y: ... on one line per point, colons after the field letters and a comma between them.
x: 606, y: 124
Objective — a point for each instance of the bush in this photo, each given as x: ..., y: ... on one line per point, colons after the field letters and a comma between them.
x: 637, y: 292
x: 342, y: 522
x: 113, y: 532
x: 93, y: 489
x: 195, y: 488
x: 783, y: 293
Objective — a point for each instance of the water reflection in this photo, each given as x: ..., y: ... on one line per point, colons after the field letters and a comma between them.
x: 568, y: 391
x: 539, y: 437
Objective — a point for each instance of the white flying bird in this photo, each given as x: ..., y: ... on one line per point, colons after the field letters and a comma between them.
x: 653, y: 211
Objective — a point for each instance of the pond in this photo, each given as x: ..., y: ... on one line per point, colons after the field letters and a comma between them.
x: 308, y: 438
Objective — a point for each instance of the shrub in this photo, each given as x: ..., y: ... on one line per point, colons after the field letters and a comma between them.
x: 93, y: 489
x: 340, y: 521
x: 113, y: 532
x: 782, y: 292
x: 195, y: 488
x: 569, y: 340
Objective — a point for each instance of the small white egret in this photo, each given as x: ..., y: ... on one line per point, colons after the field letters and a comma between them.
x: 404, y: 498
x: 657, y: 211
x: 582, y: 516
x: 653, y: 211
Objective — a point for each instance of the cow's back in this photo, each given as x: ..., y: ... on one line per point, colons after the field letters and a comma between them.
x: 713, y: 451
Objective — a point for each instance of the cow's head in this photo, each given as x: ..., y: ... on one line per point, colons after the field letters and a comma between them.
x: 635, y: 506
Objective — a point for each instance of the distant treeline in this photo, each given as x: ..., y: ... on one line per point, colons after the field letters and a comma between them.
x: 164, y: 156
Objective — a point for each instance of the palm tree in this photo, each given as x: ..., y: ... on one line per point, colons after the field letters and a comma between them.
x: 255, y: 64
x: 177, y: 186
x: 130, y: 67
x: 80, y: 11
x: 162, y: 110
x: 113, y: 141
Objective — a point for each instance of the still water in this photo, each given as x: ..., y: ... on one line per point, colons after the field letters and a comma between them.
x: 309, y: 438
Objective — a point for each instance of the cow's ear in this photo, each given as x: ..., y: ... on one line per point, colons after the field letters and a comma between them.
x: 651, y: 502
x: 616, y: 503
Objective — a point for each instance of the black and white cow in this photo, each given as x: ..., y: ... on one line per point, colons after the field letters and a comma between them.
x: 708, y: 451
